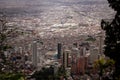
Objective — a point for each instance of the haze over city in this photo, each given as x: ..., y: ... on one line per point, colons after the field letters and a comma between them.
x: 48, y: 16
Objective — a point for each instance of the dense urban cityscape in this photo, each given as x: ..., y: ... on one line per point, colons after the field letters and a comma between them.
x: 58, y: 40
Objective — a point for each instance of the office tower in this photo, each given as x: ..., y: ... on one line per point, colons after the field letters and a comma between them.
x: 73, y: 64
x: 59, y: 49
x: 82, y: 51
x: 94, y: 54
x: 78, y: 60
x: 34, y: 53
x: 66, y: 59
x: 101, y: 42
x: 75, y: 55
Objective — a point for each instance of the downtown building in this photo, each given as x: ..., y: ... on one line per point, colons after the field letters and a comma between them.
x: 79, y: 61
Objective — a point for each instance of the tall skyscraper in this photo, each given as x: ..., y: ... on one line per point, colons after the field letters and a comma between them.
x: 66, y: 59
x: 34, y: 53
x: 94, y: 54
x: 59, y: 50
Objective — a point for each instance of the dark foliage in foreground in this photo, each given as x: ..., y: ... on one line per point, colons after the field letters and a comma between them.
x: 112, y: 39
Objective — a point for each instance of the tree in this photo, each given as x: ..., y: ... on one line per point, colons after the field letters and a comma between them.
x: 112, y: 39
x: 49, y: 74
x: 104, y: 66
x: 44, y: 74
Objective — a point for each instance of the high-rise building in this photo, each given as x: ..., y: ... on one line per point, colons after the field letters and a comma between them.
x: 79, y: 62
x: 66, y: 59
x: 94, y: 55
x: 59, y: 49
x: 82, y: 51
x: 34, y: 53
x: 73, y: 64
x: 81, y: 65
x: 75, y: 55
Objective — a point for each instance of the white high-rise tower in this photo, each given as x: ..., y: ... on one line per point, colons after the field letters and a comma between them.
x: 34, y: 53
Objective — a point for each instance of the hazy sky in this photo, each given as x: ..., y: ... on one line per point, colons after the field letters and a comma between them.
x: 21, y: 3
x: 54, y: 11
x: 37, y: 5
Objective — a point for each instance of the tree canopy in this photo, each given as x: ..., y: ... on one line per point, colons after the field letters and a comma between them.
x: 112, y: 39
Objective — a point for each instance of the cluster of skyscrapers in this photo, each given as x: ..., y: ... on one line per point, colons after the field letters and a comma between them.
x: 79, y: 58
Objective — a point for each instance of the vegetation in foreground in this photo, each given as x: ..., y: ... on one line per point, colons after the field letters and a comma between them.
x: 112, y: 39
